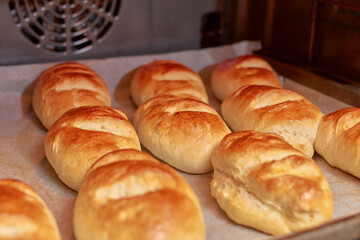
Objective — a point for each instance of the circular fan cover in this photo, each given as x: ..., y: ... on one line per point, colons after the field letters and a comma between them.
x: 64, y: 26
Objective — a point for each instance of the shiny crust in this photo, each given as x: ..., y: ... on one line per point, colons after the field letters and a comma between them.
x: 338, y: 140
x: 181, y: 131
x: 23, y: 214
x: 261, y: 181
x: 129, y: 195
x: 66, y: 86
x: 165, y: 77
x: 276, y: 110
x: 83, y: 135
x: 231, y: 74
x: 120, y: 155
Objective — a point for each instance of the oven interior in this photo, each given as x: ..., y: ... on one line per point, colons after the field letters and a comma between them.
x: 315, y: 41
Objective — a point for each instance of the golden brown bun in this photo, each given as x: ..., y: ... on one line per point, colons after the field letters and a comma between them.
x: 166, y: 77
x: 129, y: 195
x: 338, y: 140
x: 66, y: 86
x: 181, y: 131
x: 83, y: 135
x: 261, y: 181
x: 276, y: 110
x: 23, y: 214
x: 231, y: 74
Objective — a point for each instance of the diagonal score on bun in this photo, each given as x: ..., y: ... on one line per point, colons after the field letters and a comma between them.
x: 231, y: 74
x: 338, y: 139
x: 261, y: 181
x: 66, y: 86
x: 275, y: 110
x: 181, y: 131
x: 127, y: 194
x: 83, y: 135
x: 23, y: 214
x: 166, y: 77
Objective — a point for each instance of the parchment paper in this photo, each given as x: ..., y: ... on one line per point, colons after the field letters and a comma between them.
x: 21, y: 136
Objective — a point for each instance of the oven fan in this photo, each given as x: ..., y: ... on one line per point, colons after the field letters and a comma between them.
x: 64, y: 26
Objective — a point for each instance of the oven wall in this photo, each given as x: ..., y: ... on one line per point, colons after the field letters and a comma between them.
x: 320, y: 36
x: 143, y: 27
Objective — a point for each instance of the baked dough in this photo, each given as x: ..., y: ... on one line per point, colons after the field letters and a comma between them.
x: 231, y: 74
x: 129, y: 195
x: 83, y: 135
x: 338, y: 140
x: 181, y: 131
x: 261, y: 181
x: 166, y: 77
x: 23, y: 214
x: 66, y: 86
x: 276, y: 110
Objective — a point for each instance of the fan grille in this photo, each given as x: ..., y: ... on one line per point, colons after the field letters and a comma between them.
x: 64, y: 26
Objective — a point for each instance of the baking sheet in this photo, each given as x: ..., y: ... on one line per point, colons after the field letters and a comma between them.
x: 21, y: 136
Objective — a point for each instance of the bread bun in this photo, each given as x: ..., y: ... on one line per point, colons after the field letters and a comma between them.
x: 129, y: 195
x: 166, y: 77
x: 262, y: 182
x: 66, y: 86
x: 83, y: 135
x: 231, y: 74
x: 276, y: 110
x: 23, y: 214
x: 338, y: 139
x: 181, y: 131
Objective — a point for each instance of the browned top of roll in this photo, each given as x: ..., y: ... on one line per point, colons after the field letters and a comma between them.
x: 261, y: 181
x: 343, y: 125
x: 276, y: 104
x: 277, y: 110
x: 66, y: 86
x: 272, y: 166
x: 121, y: 155
x: 23, y: 214
x: 83, y: 135
x: 342, y: 120
x: 181, y: 131
x: 338, y: 139
x: 166, y: 77
x: 129, y: 195
x: 231, y: 74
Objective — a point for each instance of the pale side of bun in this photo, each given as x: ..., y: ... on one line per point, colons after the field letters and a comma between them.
x: 166, y: 77
x: 129, y: 195
x: 23, y: 214
x: 66, y: 86
x: 181, y: 131
x: 231, y: 74
x: 83, y: 135
x: 261, y: 181
x: 275, y: 110
x: 338, y: 139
